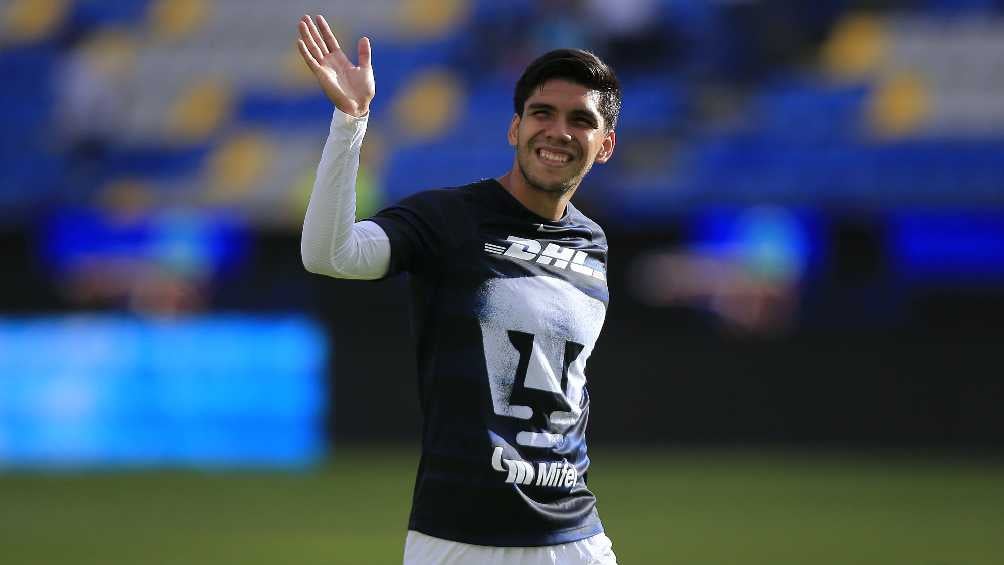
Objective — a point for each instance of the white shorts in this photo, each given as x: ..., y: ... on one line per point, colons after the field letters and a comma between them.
x: 420, y: 549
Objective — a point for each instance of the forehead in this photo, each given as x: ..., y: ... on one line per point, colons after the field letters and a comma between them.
x: 566, y: 95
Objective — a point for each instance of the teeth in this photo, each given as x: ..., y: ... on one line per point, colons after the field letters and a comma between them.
x: 551, y: 156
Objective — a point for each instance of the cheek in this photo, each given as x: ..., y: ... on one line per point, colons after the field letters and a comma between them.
x: 527, y: 138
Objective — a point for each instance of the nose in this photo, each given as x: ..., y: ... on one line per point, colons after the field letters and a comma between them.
x: 558, y: 132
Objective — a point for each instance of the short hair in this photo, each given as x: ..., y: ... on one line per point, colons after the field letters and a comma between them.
x: 574, y: 65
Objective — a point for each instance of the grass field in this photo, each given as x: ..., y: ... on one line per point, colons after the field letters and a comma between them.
x: 675, y: 508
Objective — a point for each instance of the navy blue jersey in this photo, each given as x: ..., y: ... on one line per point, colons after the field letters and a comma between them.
x: 507, y: 308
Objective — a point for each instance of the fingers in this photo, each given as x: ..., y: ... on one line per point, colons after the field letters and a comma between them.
x: 316, y: 35
x: 307, y: 57
x: 307, y: 39
x: 319, y: 42
x: 321, y: 32
x: 365, y: 52
x: 329, y: 37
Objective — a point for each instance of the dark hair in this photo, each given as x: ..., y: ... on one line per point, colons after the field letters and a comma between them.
x: 574, y: 65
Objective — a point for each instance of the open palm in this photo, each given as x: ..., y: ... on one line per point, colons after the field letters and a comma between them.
x: 349, y: 87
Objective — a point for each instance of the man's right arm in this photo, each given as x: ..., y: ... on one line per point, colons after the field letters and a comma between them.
x: 332, y: 243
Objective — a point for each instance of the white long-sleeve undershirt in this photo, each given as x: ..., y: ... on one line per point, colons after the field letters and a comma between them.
x: 332, y: 242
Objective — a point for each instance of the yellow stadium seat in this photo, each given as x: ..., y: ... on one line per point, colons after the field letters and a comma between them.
x: 429, y: 105
x: 856, y: 49
x: 176, y: 19
x: 127, y: 199
x: 426, y: 19
x: 33, y: 20
x: 898, y: 106
x: 236, y: 166
x: 111, y: 51
x: 200, y: 110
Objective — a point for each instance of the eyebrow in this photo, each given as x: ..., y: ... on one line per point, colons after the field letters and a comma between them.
x: 585, y: 114
x: 578, y: 113
x: 539, y: 106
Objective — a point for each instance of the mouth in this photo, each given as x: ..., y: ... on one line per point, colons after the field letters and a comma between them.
x: 553, y: 157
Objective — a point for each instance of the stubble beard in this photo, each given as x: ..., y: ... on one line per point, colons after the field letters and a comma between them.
x: 555, y: 188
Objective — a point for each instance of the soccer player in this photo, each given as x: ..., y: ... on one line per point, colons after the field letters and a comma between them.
x: 509, y: 289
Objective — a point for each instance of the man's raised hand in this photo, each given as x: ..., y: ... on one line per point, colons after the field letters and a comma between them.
x: 349, y: 87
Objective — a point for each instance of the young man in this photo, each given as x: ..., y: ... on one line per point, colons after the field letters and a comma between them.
x: 509, y: 293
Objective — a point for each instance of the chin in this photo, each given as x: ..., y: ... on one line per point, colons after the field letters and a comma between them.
x: 552, y: 187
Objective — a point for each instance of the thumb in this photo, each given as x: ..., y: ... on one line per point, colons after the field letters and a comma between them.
x: 365, y: 52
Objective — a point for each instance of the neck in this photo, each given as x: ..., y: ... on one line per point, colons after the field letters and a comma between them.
x: 545, y: 204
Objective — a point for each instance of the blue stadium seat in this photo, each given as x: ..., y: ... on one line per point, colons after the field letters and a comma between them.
x: 272, y: 108
x: 812, y: 112
x: 487, y: 113
x: 398, y: 61
x: 653, y: 104
x: 94, y: 13
x: 154, y: 162
x: 415, y: 168
x: 26, y: 98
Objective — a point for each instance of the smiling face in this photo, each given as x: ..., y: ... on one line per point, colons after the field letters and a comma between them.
x: 559, y: 136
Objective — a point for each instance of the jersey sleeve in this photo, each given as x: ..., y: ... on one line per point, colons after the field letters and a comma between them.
x: 422, y: 230
x: 331, y: 243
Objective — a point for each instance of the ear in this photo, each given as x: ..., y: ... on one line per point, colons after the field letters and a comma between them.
x: 607, y: 147
x: 513, y: 130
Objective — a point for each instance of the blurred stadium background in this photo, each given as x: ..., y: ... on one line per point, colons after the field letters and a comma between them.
x: 801, y: 362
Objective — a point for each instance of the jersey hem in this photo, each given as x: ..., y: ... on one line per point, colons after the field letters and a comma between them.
x: 553, y: 538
